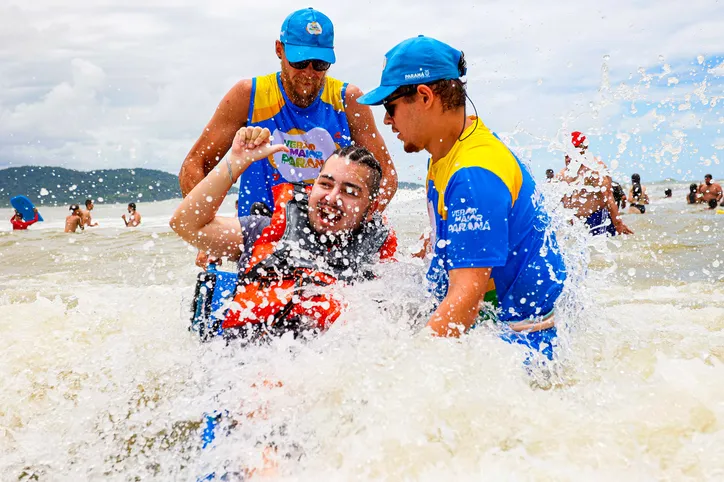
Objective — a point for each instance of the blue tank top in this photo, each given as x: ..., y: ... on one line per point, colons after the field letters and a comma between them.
x: 312, y: 134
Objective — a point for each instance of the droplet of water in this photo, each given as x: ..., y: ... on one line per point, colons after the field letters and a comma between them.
x: 632, y: 271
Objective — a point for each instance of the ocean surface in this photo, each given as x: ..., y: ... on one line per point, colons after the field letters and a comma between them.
x: 101, y: 379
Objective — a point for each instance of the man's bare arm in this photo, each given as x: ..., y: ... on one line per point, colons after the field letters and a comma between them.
x: 461, y: 305
x: 364, y: 133
x: 216, y: 139
x: 610, y: 202
x: 195, y: 218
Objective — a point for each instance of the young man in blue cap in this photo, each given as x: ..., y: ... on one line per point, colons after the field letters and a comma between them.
x: 309, y: 112
x: 490, y: 239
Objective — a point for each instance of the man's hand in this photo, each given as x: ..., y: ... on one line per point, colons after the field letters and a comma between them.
x: 422, y: 253
x: 621, y: 228
x: 460, y: 308
x: 252, y: 144
x: 203, y: 260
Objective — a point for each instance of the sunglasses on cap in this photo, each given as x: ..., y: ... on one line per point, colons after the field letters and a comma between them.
x: 317, y: 65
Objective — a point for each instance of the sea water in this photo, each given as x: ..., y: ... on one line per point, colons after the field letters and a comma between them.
x: 101, y: 379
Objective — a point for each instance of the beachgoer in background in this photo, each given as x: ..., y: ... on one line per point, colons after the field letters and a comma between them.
x: 592, y: 197
x: 550, y: 175
x: 311, y: 113
x: 74, y: 220
x: 637, y: 197
x: 619, y: 195
x: 668, y: 193
x: 18, y: 223
x: 318, y: 234
x: 693, y: 197
x: 85, y: 214
x: 489, y: 231
x: 710, y: 190
x: 134, y: 217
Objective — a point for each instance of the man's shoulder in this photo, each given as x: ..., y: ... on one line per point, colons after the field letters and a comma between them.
x: 242, y: 87
x: 490, y: 157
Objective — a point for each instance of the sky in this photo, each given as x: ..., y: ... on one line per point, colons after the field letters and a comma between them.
x: 120, y: 84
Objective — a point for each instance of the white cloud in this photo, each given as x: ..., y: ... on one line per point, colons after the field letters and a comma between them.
x: 718, y: 70
x: 110, y: 83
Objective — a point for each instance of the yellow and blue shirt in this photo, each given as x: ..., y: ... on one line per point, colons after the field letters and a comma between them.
x: 486, y: 212
x: 312, y: 134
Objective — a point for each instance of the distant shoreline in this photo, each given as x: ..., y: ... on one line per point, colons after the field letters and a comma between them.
x: 58, y: 186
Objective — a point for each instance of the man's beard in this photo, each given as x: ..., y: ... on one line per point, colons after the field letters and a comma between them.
x: 410, y: 148
x: 308, y: 95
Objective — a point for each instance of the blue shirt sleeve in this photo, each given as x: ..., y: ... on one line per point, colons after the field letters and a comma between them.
x: 478, y: 206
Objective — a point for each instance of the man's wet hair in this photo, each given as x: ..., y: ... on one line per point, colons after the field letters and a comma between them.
x: 708, y: 175
x: 712, y: 203
x: 450, y: 91
x: 132, y: 206
x: 88, y: 202
x: 667, y: 192
x: 73, y: 207
x: 550, y: 171
x: 363, y: 156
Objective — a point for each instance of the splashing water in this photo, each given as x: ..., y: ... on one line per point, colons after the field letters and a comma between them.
x: 102, y: 380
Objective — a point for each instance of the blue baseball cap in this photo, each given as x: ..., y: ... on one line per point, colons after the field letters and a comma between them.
x: 308, y: 34
x: 417, y: 60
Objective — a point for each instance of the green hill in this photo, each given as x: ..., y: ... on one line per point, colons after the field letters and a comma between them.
x: 50, y: 186
x: 409, y: 185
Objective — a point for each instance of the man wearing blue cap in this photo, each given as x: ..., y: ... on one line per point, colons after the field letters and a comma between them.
x: 490, y: 237
x: 309, y: 112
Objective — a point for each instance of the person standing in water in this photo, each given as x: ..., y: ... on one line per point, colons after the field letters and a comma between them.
x: 693, y: 197
x: 637, y: 197
x: 490, y: 239
x: 86, y: 214
x: 73, y: 221
x: 550, y: 175
x: 134, y: 217
x: 592, y: 196
x: 619, y: 195
x: 305, y: 109
x: 17, y: 221
x: 710, y: 190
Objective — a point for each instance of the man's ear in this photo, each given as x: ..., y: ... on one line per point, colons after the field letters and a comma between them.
x: 279, y: 48
x: 426, y: 94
